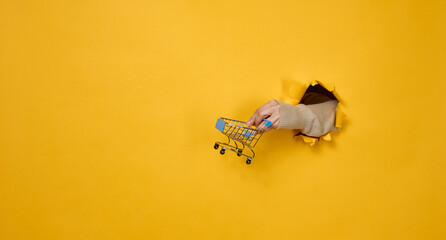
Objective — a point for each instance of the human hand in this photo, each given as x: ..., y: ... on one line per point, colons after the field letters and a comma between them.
x: 270, y: 111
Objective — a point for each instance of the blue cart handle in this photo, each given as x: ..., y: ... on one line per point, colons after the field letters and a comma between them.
x: 267, y: 122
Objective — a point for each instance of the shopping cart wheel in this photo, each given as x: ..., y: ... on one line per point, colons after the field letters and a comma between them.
x: 216, y: 146
x: 248, y: 161
x: 222, y: 151
x: 239, y: 153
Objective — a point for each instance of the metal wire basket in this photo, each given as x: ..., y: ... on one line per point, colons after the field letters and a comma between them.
x: 242, y: 137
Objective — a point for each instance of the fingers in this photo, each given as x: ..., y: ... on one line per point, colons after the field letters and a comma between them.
x: 256, y: 118
x: 261, y: 126
x: 250, y: 121
x: 274, y: 118
x: 275, y: 125
x: 253, y: 121
x: 262, y: 112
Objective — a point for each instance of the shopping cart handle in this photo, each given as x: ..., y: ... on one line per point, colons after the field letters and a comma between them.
x: 267, y: 122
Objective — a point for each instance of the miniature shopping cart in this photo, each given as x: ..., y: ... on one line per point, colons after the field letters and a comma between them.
x: 242, y: 137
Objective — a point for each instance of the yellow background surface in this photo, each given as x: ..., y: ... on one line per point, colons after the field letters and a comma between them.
x: 107, y: 114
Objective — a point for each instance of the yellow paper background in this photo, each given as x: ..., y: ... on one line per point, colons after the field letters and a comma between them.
x: 107, y: 114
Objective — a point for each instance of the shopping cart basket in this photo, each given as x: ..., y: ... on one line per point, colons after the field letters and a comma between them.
x: 242, y: 137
